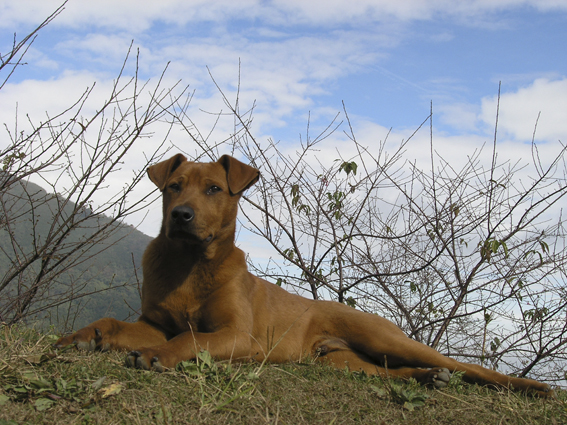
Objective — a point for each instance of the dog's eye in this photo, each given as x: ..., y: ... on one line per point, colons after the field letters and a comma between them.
x: 213, y: 189
x: 175, y: 187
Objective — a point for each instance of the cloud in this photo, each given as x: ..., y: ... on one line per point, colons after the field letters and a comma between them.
x: 287, y: 68
x: 460, y: 116
x: 103, y: 48
x: 40, y: 60
x: 139, y: 15
x: 132, y: 15
x: 543, y: 102
x: 56, y: 95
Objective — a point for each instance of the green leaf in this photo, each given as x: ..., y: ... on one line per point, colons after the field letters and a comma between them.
x: 163, y: 414
x: 252, y: 376
x: 40, y: 383
x: 39, y: 358
x: 4, y: 399
x: 97, y: 385
x: 189, y: 367
x: 455, y: 209
x: 350, y: 301
x: 42, y: 404
x: 505, y: 249
x: 544, y: 246
x: 349, y: 167
x: 413, y: 286
x: 408, y: 406
x: 205, y: 357
x: 304, y: 208
x: 380, y: 391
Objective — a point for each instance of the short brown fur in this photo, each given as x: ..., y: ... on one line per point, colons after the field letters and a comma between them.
x: 198, y: 294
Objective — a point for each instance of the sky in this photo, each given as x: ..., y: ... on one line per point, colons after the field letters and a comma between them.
x: 390, y: 62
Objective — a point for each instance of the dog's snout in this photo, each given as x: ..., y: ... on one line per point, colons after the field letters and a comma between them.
x: 182, y: 214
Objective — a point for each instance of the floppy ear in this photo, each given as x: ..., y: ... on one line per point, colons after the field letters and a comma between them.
x: 160, y: 172
x: 240, y: 176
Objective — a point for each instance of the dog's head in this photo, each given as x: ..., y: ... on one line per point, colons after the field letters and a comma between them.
x: 200, y: 200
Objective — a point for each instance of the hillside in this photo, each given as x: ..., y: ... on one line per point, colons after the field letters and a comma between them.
x: 27, y: 220
x: 40, y: 386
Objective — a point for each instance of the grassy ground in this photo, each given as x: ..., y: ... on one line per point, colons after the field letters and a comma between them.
x: 38, y: 386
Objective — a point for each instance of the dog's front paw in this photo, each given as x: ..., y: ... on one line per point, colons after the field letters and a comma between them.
x: 88, y: 339
x: 150, y: 359
x: 438, y: 377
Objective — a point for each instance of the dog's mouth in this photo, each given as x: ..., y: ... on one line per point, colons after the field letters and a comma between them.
x: 188, y: 236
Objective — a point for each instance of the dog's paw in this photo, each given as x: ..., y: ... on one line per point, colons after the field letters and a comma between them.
x: 88, y: 339
x: 543, y: 391
x: 149, y: 359
x: 531, y: 387
x: 438, y: 377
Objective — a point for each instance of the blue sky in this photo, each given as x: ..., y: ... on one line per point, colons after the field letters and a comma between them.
x: 387, y: 60
x: 446, y: 63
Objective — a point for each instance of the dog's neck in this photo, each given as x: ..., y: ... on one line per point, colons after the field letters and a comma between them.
x: 190, y: 255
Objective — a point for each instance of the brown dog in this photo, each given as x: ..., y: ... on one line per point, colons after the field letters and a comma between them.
x: 198, y: 294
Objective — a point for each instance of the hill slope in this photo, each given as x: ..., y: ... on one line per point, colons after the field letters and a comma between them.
x: 39, y: 386
x: 105, y: 267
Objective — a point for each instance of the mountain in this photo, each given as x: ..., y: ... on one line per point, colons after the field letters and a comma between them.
x: 51, y: 250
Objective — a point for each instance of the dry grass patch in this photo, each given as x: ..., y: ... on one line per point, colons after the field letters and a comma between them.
x: 40, y: 386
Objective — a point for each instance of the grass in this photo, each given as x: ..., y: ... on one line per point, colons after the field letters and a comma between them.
x: 39, y: 386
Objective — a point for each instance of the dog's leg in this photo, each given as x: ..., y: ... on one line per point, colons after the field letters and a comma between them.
x: 337, y: 353
x: 401, y: 351
x: 376, y: 337
x: 106, y: 334
x: 225, y: 344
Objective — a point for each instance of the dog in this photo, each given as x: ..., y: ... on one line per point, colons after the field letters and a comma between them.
x: 198, y: 294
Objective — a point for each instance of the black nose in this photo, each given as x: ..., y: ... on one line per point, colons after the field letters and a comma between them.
x: 182, y: 215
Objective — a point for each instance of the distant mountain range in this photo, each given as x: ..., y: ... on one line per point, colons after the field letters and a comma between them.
x: 109, y: 267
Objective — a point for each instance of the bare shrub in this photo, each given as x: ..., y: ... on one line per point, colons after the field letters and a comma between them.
x: 468, y: 260
x: 49, y: 237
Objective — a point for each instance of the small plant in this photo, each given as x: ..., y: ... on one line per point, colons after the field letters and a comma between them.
x: 456, y: 382
x: 407, y: 397
x: 220, y: 383
x: 43, y: 392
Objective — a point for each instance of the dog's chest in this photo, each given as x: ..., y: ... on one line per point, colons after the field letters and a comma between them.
x: 180, y: 311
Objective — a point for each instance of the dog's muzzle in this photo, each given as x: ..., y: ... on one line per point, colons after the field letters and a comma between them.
x: 182, y: 215
x: 182, y: 225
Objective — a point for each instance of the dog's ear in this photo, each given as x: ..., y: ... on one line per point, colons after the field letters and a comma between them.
x: 160, y: 172
x: 240, y: 176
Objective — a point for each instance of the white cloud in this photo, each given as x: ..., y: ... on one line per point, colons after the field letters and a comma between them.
x: 40, y: 59
x: 133, y: 15
x: 460, y: 116
x: 36, y: 98
x: 452, y: 149
x: 519, y: 111
x: 103, y: 48
x: 286, y: 71
x: 138, y: 15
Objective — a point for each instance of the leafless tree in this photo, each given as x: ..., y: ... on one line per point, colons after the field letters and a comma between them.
x: 47, y: 235
x: 468, y: 260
